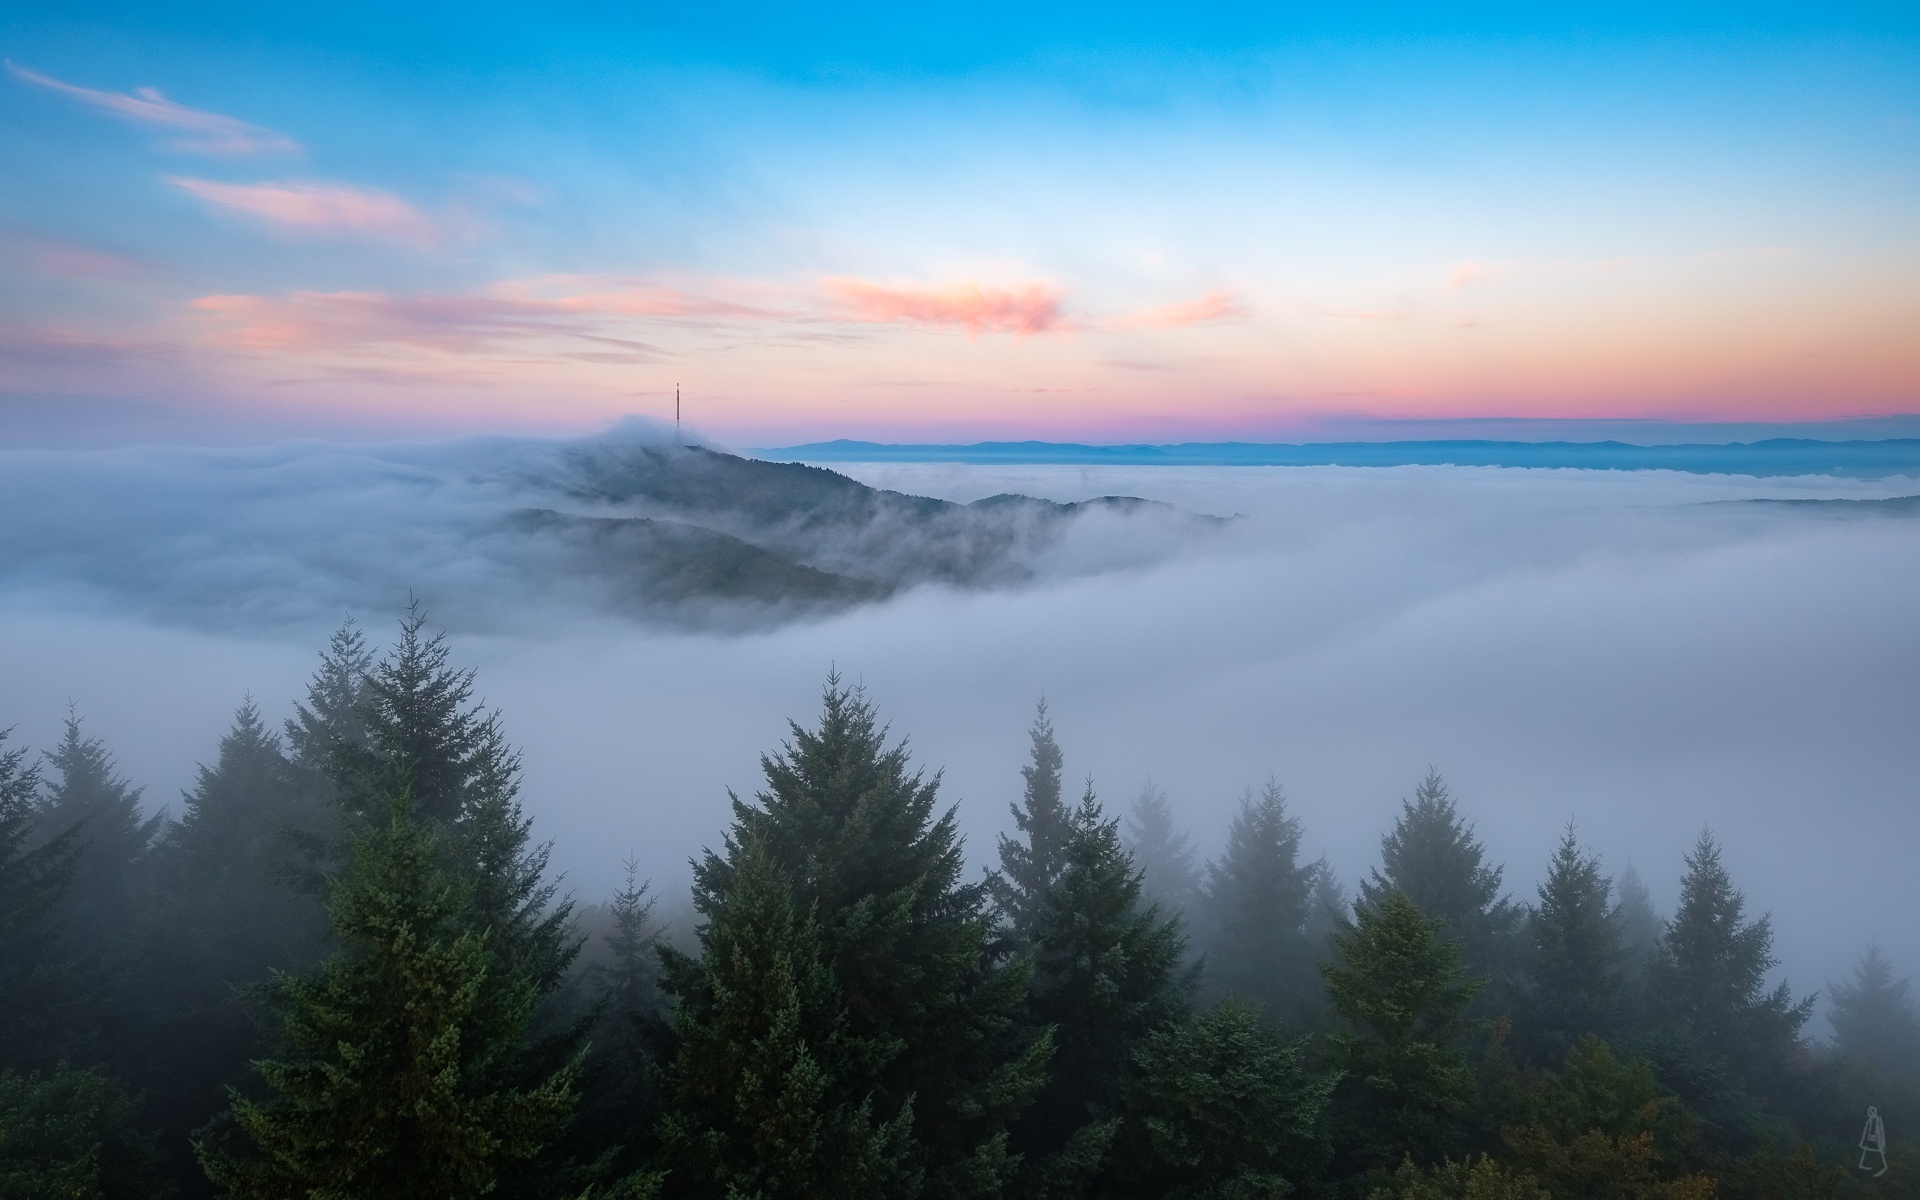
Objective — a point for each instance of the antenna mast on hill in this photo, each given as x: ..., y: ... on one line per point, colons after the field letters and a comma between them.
x: 676, y: 415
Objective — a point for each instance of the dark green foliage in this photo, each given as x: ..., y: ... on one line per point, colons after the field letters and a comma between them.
x: 1725, y: 1041
x: 329, y: 721
x: 1030, y: 863
x: 223, y: 914
x: 1573, y: 963
x: 619, y: 1103
x: 71, y: 1134
x: 770, y: 1094
x: 398, y: 1075
x: 1163, y: 852
x: 1875, y: 1022
x: 1259, y: 902
x: 40, y: 983
x: 1398, y: 988
x: 1431, y: 856
x: 852, y: 831
x: 90, y: 798
x: 100, y: 908
x: 415, y: 727
x: 1221, y: 1109
x: 1602, y: 1129
x: 1105, y: 976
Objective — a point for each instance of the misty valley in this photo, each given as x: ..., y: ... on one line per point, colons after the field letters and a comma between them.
x: 428, y: 924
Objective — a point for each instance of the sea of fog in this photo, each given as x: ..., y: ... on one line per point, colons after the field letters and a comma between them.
x: 1628, y: 651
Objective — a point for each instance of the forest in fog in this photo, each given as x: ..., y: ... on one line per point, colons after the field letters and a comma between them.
x: 342, y: 967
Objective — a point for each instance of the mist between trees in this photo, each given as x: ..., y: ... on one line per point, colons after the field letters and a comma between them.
x: 345, y: 970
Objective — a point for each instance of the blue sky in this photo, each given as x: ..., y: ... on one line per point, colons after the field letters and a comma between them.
x: 892, y: 221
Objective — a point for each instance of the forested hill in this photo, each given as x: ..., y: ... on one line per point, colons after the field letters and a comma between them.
x: 491, y: 529
x: 734, y: 528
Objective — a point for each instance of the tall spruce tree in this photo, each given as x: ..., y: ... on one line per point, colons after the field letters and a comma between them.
x: 1397, y: 986
x: 1105, y: 976
x: 417, y: 727
x: 101, y: 904
x: 1162, y: 851
x: 619, y: 1102
x: 1432, y: 857
x: 853, y: 832
x: 771, y: 1092
x: 42, y: 984
x: 1573, y: 961
x: 223, y: 914
x: 1258, y: 906
x: 1728, y: 1040
x: 1875, y: 1022
x: 329, y: 720
x: 1031, y: 861
x: 400, y: 1074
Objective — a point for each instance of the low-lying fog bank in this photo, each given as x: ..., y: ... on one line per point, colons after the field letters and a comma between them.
x: 1618, y: 649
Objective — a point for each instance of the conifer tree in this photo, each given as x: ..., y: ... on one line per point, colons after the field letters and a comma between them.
x: 1708, y: 982
x: 41, y: 984
x: 1432, y: 857
x: 1258, y: 904
x: 770, y: 1093
x: 71, y: 1133
x: 329, y: 720
x: 853, y: 832
x: 400, y: 1071
x: 223, y: 913
x: 1875, y: 1022
x: 619, y: 1101
x: 1573, y: 960
x: 1326, y: 911
x: 1397, y: 986
x: 1163, y: 852
x: 1031, y: 862
x: 1221, y: 1108
x: 418, y: 727
x: 91, y: 797
x: 1640, y: 924
x: 1105, y: 976
x: 99, y: 909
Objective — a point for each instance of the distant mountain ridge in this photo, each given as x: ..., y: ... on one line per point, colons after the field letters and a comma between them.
x: 1859, y: 459
x: 701, y: 536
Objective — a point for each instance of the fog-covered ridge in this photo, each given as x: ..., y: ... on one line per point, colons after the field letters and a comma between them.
x: 628, y: 524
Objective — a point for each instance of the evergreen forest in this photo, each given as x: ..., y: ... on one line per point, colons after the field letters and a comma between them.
x: 341, y: 968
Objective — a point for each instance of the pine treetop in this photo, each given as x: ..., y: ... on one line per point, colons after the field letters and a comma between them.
x: 1162, y: 850
x: 852, y: 828
x: 1874, y: 1017
x: 1030, y: 864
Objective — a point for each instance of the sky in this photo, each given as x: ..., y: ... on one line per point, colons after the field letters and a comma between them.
x: 228, y: 222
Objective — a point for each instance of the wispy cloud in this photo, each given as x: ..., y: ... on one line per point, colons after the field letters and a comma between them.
x: 319, y: 209
x: 602, y: 312
x: 1022, y: 310
x: 1207, y: 310
x: 198, y: 131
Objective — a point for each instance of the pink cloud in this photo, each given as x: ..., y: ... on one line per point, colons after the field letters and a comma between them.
x: 977, y: 308
x: 319, y: 209
x: 202, y: 132
x: 1208, y: 309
